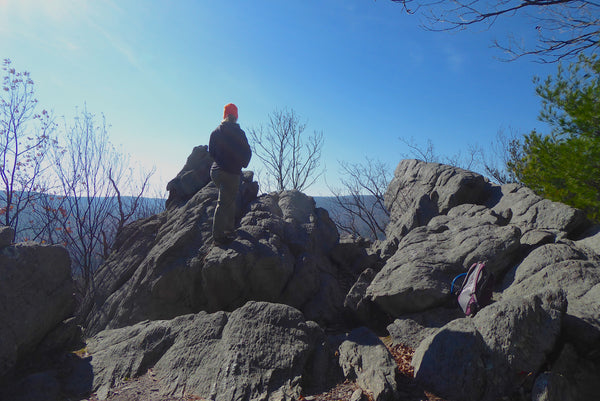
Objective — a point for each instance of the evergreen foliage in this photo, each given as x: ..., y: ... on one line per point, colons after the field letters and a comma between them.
x: 564, y: 165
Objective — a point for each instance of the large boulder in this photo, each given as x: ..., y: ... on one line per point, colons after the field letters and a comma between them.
x: 529, y: 211
x: 36, y: 295
x: 571, y: 378
x: 451, y: 362
x: 366, y: 360
x: 540, y: 258
x: 590, y: 242
x: 259, y: 351
x: 580, y: 280
x: 282, y: 255
x: 7, y: 234
x: 420, y: 191
x: 419, y: 275
x: 489, y: 356
x: 194, y: 175
x: 357, y: 302
x: 519, y: 334
x: 413, y: 328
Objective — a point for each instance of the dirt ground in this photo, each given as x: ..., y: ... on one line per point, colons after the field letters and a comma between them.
x: 146, y: 387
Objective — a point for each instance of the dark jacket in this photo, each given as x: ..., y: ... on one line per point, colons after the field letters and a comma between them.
x: 229, y: 148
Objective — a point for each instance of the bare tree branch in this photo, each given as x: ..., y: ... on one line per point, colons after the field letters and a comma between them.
x: 93, y: 175
x: 504, y: 149
x: 24, y: 139
x: 359, y: 203
x: 290, y: 159
x: 564, y: 28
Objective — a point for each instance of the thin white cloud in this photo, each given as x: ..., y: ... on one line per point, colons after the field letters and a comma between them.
x: 29, y: 11
x: 41, y: 22
x: 121, y: 46
x: 96, y: 18
x: 454, y: 59
x: 51, y: 24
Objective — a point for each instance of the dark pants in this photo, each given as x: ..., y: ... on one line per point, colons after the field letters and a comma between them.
x: 224, y: 218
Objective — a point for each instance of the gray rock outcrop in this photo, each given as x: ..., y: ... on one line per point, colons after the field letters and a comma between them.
x: 6, y: 236
x: 36, y: 295
x: 544, y: 256
x: 166, y: 265
x: 487, y: 357
x: 274, y: 314
x: 286, y: 250
x: 450, y: 362
x: 581, y: 282
x: 418, y: 276
x: 528, y: 211
x: 259, y: 351
x: 571, y: 378
x: 411, y: 329
x: 442, y: 220
x: 420, y: 191
x: 365, y: 359
x: 191, y: 178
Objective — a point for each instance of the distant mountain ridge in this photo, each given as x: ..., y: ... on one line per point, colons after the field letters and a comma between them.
x: 328, y: 203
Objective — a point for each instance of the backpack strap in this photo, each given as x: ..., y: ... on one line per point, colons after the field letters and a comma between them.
x: 468, y: 273
x: 453, y: 281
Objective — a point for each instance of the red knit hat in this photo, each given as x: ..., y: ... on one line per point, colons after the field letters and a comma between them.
x: 230, y: 109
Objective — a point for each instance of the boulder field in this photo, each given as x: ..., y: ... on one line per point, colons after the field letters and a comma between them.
x: 289, y: 308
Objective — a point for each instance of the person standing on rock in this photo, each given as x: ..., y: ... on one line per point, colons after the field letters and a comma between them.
x: 230, y: 151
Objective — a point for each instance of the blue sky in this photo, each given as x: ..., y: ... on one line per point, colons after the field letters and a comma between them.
x: 361, y: 71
